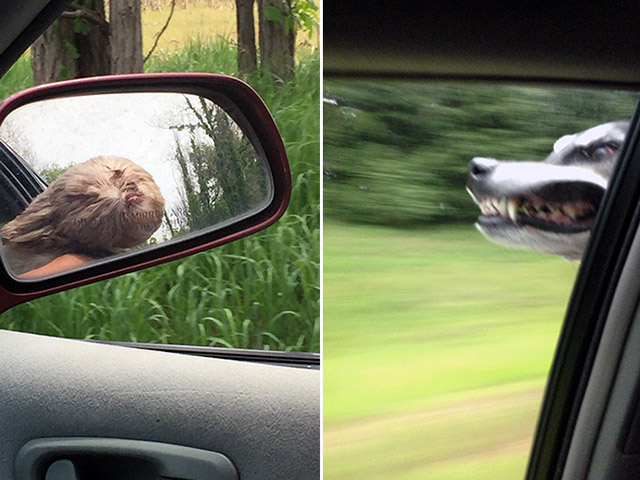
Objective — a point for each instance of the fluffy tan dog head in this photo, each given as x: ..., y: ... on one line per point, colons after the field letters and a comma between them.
x: 104, y: 204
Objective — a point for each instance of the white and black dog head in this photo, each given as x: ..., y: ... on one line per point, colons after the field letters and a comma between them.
x: 547, y: 206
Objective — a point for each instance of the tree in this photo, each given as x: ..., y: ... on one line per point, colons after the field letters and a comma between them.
x: 51, y: 57
x: 278, y: 20
x: 75, y: 45
x: 82, y: 43
x: 247, y: 56
x: 126, y: 36
x: 222, y: 174
x: 277, y: 38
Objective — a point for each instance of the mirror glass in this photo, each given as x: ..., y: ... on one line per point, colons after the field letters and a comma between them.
x: 85, y: 178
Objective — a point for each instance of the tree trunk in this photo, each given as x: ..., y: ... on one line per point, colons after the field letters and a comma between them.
x: 76, y: 45
x: 247, y: 60
x: 126, y: 36
x: 51, y: 56
x: 276, y: 45
x: 93, y: 46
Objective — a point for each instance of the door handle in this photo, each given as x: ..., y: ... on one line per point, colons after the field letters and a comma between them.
x: 83, y: 458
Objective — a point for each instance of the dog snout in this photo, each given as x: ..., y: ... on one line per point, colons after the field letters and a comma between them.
x: 480, y: 167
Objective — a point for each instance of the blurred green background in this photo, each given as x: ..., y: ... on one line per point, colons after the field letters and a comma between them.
x: 436, y: 343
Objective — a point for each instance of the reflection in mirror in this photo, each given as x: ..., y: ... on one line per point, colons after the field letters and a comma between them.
x: 124, y: 172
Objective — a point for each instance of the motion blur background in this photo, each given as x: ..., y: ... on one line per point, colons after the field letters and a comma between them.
x: 436, y: 342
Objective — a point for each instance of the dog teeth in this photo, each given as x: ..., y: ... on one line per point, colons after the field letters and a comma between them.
x: 473, y: 196
x: 498, y: 206
x: 506, y: 207
x: 501, y: 205
x: 512, y: 207
x: 570, y: 211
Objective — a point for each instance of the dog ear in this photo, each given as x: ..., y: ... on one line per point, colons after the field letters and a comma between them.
x: 35, y: 225
x: 563, y: 142
x: 29, y: 229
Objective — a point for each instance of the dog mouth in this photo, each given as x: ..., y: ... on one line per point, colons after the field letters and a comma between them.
x: 563, y: 207
x: 133, y: 197
x: 132, y: 194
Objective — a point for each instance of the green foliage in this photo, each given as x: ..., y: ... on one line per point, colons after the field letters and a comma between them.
x: 71, y: 49
x: 218, y: 151
x: 50, y: 173
x: 298, y: 120
x: 297, y: 15
x: 212, y: 55
x: 19, y: 77
x: 262, y: 291
x: 397, y: 152
x: 81, y: 26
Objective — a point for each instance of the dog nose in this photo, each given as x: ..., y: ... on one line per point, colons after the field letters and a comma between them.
x: 479, y: 166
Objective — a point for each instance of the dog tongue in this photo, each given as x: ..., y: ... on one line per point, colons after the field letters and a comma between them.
x: 133, y: 197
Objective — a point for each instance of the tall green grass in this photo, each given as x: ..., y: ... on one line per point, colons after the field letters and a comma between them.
x: 211, y: 55
x: 259, y: 292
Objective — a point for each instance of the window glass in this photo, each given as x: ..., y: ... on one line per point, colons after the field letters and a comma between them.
x: 455, y: 219
x: 12, y: 200
x: 259, y: 292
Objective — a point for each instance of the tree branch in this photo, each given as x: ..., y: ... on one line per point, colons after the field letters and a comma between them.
x: 155, y: 44
x: 80, y: 11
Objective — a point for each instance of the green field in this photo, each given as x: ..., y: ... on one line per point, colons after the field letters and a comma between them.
x: 195, y: 22
x: 436, y: 345
x: 200, y: 21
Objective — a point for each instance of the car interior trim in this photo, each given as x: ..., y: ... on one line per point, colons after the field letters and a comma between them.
x: 563, y: 41
x: 28, y: 20
x: 587, y: 311
x: 249, y: 412
x: 612, y: 455
x: 272, y: 357
x: 615, y: 335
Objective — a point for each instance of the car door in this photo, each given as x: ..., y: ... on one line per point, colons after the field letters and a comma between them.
x: 80, y: 409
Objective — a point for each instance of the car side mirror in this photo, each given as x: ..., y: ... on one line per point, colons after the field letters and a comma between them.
x: 108, y: 175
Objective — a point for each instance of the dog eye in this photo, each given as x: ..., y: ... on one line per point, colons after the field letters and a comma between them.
x: 599, y: 152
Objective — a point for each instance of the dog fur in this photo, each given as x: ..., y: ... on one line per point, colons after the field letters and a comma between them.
x: 547, y: 206
x: 96, y: 208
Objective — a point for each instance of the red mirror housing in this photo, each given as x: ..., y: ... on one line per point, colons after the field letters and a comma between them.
x: 203, y: 97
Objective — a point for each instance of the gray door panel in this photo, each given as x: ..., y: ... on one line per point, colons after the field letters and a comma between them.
x: 265, y: 418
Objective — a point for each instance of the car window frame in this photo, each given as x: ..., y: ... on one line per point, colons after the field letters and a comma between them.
x: 589, y: 304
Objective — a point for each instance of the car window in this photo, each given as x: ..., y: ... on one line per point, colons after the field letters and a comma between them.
x: 456, y: 215
x: 260, y: 292
x: 12, y: 201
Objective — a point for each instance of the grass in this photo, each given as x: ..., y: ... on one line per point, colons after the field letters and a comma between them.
x: 254, y: 293
x: 258, y: 292
x: 213, y: 55
x: 436, y: 347
x: 197, y: 22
